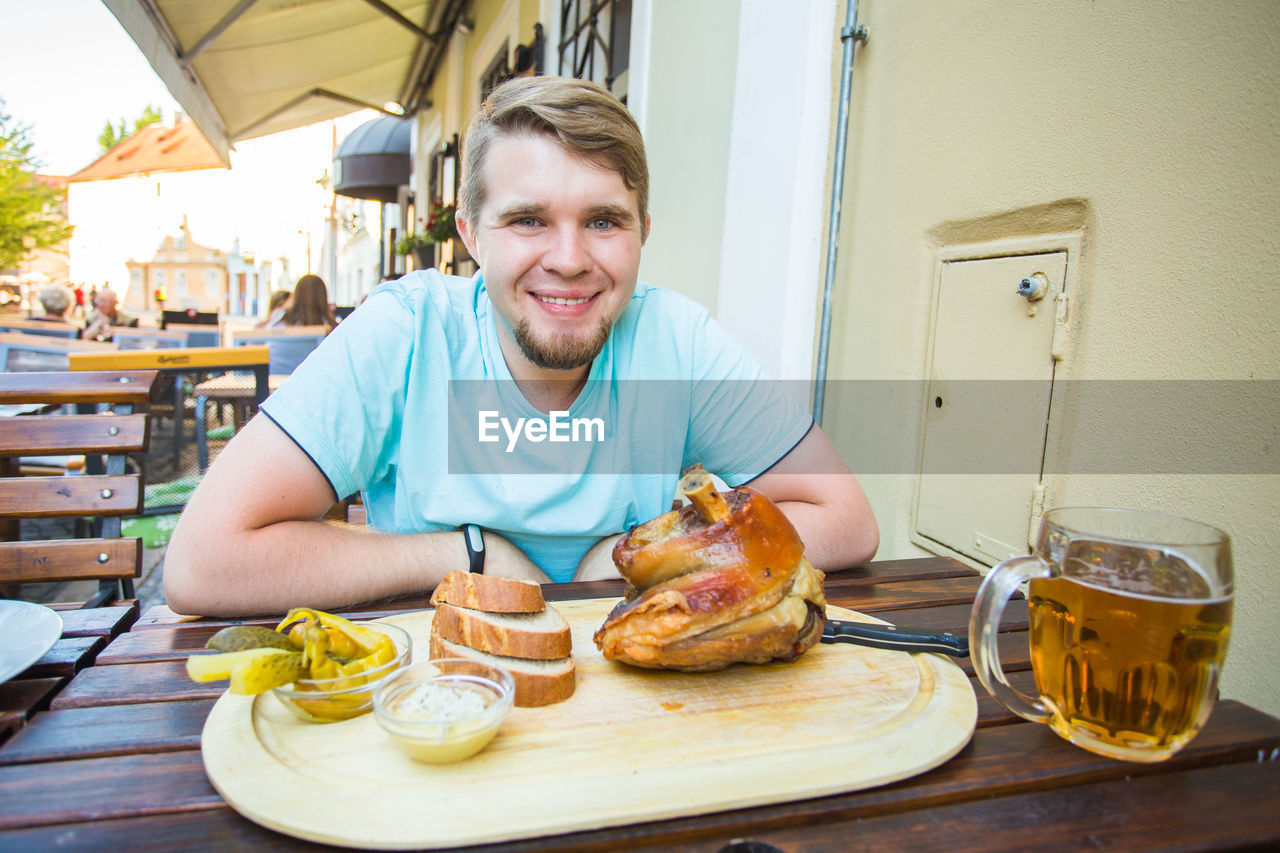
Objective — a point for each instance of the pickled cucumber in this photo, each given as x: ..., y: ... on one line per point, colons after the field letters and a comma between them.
x: 240, y: 637
x: 268, y: 672
x: 250, y: 670
x: 217, y: 667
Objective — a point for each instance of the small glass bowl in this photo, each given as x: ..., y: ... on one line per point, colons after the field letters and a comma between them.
x: 328, y: 700
x: 444, y: 710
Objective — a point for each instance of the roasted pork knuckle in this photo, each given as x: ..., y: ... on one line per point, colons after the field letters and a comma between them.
x: 720, y: 581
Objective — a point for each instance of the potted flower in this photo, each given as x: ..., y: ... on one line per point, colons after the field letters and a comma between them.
x: 441, y: 228
x: 421, y: 246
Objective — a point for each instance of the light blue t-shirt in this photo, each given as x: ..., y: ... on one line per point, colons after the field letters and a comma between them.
x: 410, y: 402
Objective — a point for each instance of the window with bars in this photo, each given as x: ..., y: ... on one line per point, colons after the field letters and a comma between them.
x: 595, y: 42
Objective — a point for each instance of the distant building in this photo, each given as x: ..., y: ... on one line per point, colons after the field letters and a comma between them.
x: 129, y: 201
x: 185, y: 274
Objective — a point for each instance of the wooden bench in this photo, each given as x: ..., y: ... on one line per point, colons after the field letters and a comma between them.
x: 107, y: 557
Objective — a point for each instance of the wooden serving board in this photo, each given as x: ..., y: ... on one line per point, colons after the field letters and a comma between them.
x: 630, y: 745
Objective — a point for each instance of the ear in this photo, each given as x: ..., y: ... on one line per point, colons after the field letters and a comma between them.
x: 648, y: 226
x: 467, y: 235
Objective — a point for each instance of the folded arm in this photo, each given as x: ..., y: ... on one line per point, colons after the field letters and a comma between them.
x: 253, y: 540
x: 822, y: 498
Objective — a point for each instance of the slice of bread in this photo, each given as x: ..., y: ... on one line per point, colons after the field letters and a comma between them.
x: 534, y: 636
x: 484, y: 592
x: 538, y: 682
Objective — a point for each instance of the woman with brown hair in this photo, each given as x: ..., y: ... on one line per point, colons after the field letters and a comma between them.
x: 275, y: 308
x: 309, y: 305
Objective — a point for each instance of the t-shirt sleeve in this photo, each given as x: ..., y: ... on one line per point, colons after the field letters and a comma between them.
x: 343, y: 406
x: 741, y: 421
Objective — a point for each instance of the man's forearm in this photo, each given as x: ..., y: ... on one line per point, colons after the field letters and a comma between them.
x: 598, y: 563
x: 833, y: 540
x: 320, y: 564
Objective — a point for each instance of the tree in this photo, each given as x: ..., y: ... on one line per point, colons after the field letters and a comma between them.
x: 30, y: 218
x: 112, y: 135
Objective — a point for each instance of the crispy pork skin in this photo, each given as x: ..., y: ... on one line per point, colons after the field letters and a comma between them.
x: 721, y: 581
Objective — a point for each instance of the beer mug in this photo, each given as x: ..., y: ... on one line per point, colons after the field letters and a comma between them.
x: 1130, y: 618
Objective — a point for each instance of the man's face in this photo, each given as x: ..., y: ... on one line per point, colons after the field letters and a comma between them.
x: 558, y: 239
x: 105, y: 303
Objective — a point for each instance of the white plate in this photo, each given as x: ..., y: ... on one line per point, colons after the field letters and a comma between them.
x: 27, y: 631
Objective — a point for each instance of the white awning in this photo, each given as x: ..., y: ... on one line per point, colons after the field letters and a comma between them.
x: 246, y: 68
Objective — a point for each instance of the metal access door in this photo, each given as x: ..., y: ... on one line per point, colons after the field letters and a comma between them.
x: 986, y: 403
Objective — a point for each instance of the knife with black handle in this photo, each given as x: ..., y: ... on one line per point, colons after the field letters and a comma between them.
x: 895, y: 639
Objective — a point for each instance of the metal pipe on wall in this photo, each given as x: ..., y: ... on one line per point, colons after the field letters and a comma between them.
x: 851, y: 33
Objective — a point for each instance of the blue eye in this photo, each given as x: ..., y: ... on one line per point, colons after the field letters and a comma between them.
x: 601, y: 223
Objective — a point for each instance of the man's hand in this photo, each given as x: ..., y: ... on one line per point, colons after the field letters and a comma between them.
x: 597, y: 564
x: 504, y: 559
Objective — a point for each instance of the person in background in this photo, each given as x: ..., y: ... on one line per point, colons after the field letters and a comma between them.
x: 56, y: 301
x: 309, y: 306
x: 106, y: 314
x: 275, y: 308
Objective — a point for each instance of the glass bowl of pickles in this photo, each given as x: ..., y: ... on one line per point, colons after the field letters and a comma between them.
x: 322, y: 667
x: 348, y: 691
x: 444, y: 710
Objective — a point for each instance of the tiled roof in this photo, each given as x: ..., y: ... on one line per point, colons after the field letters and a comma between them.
x: 154, y: 148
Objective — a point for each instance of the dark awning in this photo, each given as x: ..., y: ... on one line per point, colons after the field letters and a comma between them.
x: 373, y: 161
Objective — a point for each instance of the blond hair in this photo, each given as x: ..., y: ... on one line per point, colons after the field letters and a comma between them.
x: 584, y: 118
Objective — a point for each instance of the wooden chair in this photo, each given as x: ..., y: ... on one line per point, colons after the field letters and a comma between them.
x: 22, y: 353
x: 44, y: 328
x: 189, y: 316
x: 127, y: 339
x: 198, y: 334
x: 107, y: 557
x: 289, y: 345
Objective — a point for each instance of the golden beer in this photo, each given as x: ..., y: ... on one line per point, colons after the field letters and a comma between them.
x: 1127, y: 657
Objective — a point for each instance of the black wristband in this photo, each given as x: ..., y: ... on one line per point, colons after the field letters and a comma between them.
x: 474, y: 541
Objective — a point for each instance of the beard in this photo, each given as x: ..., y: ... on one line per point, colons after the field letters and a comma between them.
x: 563, y: 351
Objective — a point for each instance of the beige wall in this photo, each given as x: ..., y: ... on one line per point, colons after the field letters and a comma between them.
x: 1148, y: 128
x: 688, y: 114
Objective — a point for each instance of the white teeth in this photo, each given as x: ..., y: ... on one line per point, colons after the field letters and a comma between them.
x: 559, y: 300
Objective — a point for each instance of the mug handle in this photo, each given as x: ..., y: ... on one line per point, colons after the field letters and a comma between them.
x: 984, y: 625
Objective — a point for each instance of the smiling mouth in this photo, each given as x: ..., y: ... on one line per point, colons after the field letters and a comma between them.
x: 561, y: 300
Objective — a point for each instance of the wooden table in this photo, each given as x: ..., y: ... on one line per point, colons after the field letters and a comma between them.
x: 115, y: 761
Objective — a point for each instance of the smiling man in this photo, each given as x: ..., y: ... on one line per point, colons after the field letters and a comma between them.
x: 403, y: 402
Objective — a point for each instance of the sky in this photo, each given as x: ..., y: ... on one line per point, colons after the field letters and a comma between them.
x: 68, y: 68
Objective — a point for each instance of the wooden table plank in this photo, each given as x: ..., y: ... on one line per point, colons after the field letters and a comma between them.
x: 66, y: 657
x: 165, y: 681
x: 1162, y: 812
x: 875, y: 598
x: 99, y: 621
x: 19, y: 699
x: 108, y: 730
x: 55, y: 791
x: 141, y: 646
x: 215, y: 828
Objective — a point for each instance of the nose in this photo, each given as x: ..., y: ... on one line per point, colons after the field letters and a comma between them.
x: 566, y: 252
